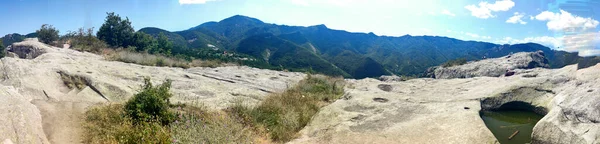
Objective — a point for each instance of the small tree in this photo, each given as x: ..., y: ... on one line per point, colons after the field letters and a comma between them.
x: 164, y: 45
x: 115, y: 31
x: 152, y: 103
x: 47, y: 34
x: 2, y: 49
x: 144, y: 42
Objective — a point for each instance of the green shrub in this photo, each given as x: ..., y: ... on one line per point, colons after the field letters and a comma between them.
x: 283, y: 115
x: 47, y: 34
x: 455, y: 62
x: 152, y: 103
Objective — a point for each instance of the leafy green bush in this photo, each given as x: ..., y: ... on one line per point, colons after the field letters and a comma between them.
x: 152, y: 103
x: 283, y: 115
x: 455, y: 62
x: 47, y: 34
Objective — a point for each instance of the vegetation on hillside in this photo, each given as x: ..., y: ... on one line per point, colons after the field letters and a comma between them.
x: 47, y: 34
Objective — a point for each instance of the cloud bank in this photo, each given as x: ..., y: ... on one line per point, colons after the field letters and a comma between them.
x: 484, y: 9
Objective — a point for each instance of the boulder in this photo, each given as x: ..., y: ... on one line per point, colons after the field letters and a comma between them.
x: 494, y: 67
x: 28, y: 49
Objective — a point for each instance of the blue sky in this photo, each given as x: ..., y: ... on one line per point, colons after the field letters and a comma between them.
x: 570, y: 25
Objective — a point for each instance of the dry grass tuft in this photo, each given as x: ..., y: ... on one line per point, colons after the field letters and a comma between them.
x: 283, y: 115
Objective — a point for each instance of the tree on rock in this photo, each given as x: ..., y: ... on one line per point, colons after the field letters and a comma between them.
x: 115, y: 31
x: 47, y: 34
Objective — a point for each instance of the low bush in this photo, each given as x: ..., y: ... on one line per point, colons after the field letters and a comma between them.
x: 283, y: 115
x: 47, y: 34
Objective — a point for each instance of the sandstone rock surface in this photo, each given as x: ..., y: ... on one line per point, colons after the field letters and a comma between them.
x: 491, y: 67
x: 38, y: 106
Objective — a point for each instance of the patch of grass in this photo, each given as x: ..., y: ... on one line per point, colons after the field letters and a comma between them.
x: 73, y: 82
x: 156, y: 60
x: 283, y: 115
x: 206, y: 63
x: 110, y: 124
x: 197, y: 125
x: 455, y: 62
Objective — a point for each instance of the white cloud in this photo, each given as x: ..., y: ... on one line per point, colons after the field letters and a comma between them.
x: 182, y: 2
x: 587, y: 44
x: 446, y: 12
x: 566, y: 22
x: 477, y: 36
x: 516, y: 18
x: 300, y: 2
x: 484, y: 9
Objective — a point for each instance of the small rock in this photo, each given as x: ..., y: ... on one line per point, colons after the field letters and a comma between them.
x: 385, y: 87
x: 381, y: 100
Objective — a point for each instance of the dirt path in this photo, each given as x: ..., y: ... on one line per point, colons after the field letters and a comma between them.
x: 62, y: 121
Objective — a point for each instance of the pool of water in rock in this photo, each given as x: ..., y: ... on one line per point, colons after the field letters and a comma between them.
x: 503, y: 123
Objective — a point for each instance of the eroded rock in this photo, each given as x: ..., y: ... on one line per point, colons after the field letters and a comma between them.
x: 496, y: 67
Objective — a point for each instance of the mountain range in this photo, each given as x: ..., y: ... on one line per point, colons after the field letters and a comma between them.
x: 336, y: 52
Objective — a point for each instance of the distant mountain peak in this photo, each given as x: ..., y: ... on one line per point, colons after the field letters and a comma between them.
x: 241, y: 19
x: 320, y: 26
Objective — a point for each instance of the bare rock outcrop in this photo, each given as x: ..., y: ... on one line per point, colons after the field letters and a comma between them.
x: 495, y: 67
x: 52, y: 87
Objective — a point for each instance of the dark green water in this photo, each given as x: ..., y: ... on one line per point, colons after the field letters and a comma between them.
x: 504, y: 123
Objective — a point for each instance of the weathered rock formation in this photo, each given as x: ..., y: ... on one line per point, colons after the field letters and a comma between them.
x: 447, y: 110
x: 45, y: 90
x: 491, y: 67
